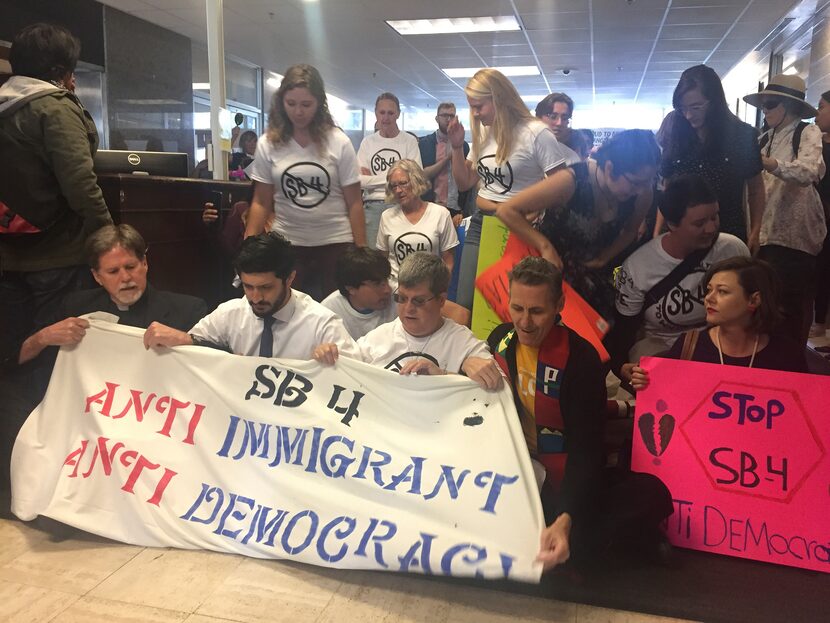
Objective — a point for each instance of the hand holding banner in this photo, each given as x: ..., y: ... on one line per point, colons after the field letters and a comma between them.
x: 349, y: 466
x: 743, y: 452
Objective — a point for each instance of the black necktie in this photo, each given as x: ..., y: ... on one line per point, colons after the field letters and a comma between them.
x: 266, y: 342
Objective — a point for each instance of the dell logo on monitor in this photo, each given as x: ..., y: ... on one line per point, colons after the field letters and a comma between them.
x: 134, y: 159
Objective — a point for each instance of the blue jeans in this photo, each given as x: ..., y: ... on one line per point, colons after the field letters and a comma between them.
x: 373, y: 211
x: 469, y: 262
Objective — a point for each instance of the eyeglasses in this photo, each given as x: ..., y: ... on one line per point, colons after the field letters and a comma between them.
x: 556, y: 116
x: 417, y: 301
x: 693, y: 108
x: 445, y: 115
x: 398, y: 185
x: 770, y: 104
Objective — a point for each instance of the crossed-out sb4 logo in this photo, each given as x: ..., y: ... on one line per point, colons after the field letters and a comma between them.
x: 306, y: 184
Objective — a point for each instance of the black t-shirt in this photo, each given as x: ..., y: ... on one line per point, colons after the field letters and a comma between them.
x: 781, y: 353
x: 727, y: 169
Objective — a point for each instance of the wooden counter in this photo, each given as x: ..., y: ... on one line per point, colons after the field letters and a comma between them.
x: 183, y: 254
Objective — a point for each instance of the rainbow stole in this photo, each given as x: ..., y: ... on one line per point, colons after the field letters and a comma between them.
x: 550, y: 372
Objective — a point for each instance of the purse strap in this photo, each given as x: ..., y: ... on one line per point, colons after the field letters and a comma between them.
x: 689, y: 343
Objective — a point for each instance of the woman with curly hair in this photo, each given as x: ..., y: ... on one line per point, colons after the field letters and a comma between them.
x: 305, y: 174
x: 413, y: 224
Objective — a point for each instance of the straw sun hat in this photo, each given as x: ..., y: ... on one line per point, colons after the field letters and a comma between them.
x: 784, y: 86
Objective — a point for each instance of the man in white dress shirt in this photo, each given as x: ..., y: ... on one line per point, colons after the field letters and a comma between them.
x: 272, y: 320
x: 421, y: 340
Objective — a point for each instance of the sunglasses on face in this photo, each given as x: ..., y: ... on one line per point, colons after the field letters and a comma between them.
x: 770, y: 104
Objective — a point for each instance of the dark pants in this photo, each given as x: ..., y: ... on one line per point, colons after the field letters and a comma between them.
x: 629, y: 510
x: 823, y: 282
x: 796, y: 272
x: 21, y: 390
x: 29, y: 300
x: 316, y: 268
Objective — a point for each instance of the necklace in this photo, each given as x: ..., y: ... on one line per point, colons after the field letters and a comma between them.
x: 426, y: 344
x: 420, y: 352
x: 720, y: 350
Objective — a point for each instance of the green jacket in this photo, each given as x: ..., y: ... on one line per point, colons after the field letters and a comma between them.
x: 47, y: 141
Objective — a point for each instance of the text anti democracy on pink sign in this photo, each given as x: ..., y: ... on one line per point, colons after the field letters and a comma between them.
x: 744, y: 454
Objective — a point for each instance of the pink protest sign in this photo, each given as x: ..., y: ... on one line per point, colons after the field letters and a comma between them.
x: 744, y: 454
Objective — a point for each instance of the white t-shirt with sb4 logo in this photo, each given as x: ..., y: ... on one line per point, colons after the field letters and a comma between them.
x: 308, y: 187
x: 682, y: 307
x: 391, y: 347
x: 534, y: 152
x: 378, y: 154
x: 433, y: 233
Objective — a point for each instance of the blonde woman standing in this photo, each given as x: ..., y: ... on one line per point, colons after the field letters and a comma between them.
x: 511, y: 150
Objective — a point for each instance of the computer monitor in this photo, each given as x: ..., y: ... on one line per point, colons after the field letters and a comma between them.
x: 141, y: 163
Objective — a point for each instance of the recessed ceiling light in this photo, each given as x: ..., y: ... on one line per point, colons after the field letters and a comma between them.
x: 511, y: 70
x: 454, y: 25
x: 201, y: 86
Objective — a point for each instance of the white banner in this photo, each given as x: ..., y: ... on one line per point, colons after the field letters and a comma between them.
x: 348, y: 466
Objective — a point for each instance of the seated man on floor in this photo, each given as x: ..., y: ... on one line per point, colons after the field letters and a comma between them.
x: 117, y: 257
x: 660, y: 286
x: 363, y: 298
x: 421, y: 340
x: 118, y: 260
x: 559, y: 392
x: 271, y: 320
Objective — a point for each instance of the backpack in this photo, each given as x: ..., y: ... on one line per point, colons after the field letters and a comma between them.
x: 799, y: 129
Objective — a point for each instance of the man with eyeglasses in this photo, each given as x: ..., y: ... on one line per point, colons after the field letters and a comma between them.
x: 436, y: 157
x: 421, y: 340
x: 556, y: 111
x: 363, y: 298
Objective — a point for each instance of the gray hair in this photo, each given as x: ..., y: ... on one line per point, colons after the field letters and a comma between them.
x: 417, y: 178
x: 536, y: 271
x: 110, y: 236
x: 422, y: 267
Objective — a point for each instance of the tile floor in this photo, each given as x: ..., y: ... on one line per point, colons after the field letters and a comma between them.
x: 81, y: 578
x: 820, y: 340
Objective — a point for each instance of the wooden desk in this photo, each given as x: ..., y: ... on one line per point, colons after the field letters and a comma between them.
x: 183, y: 253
